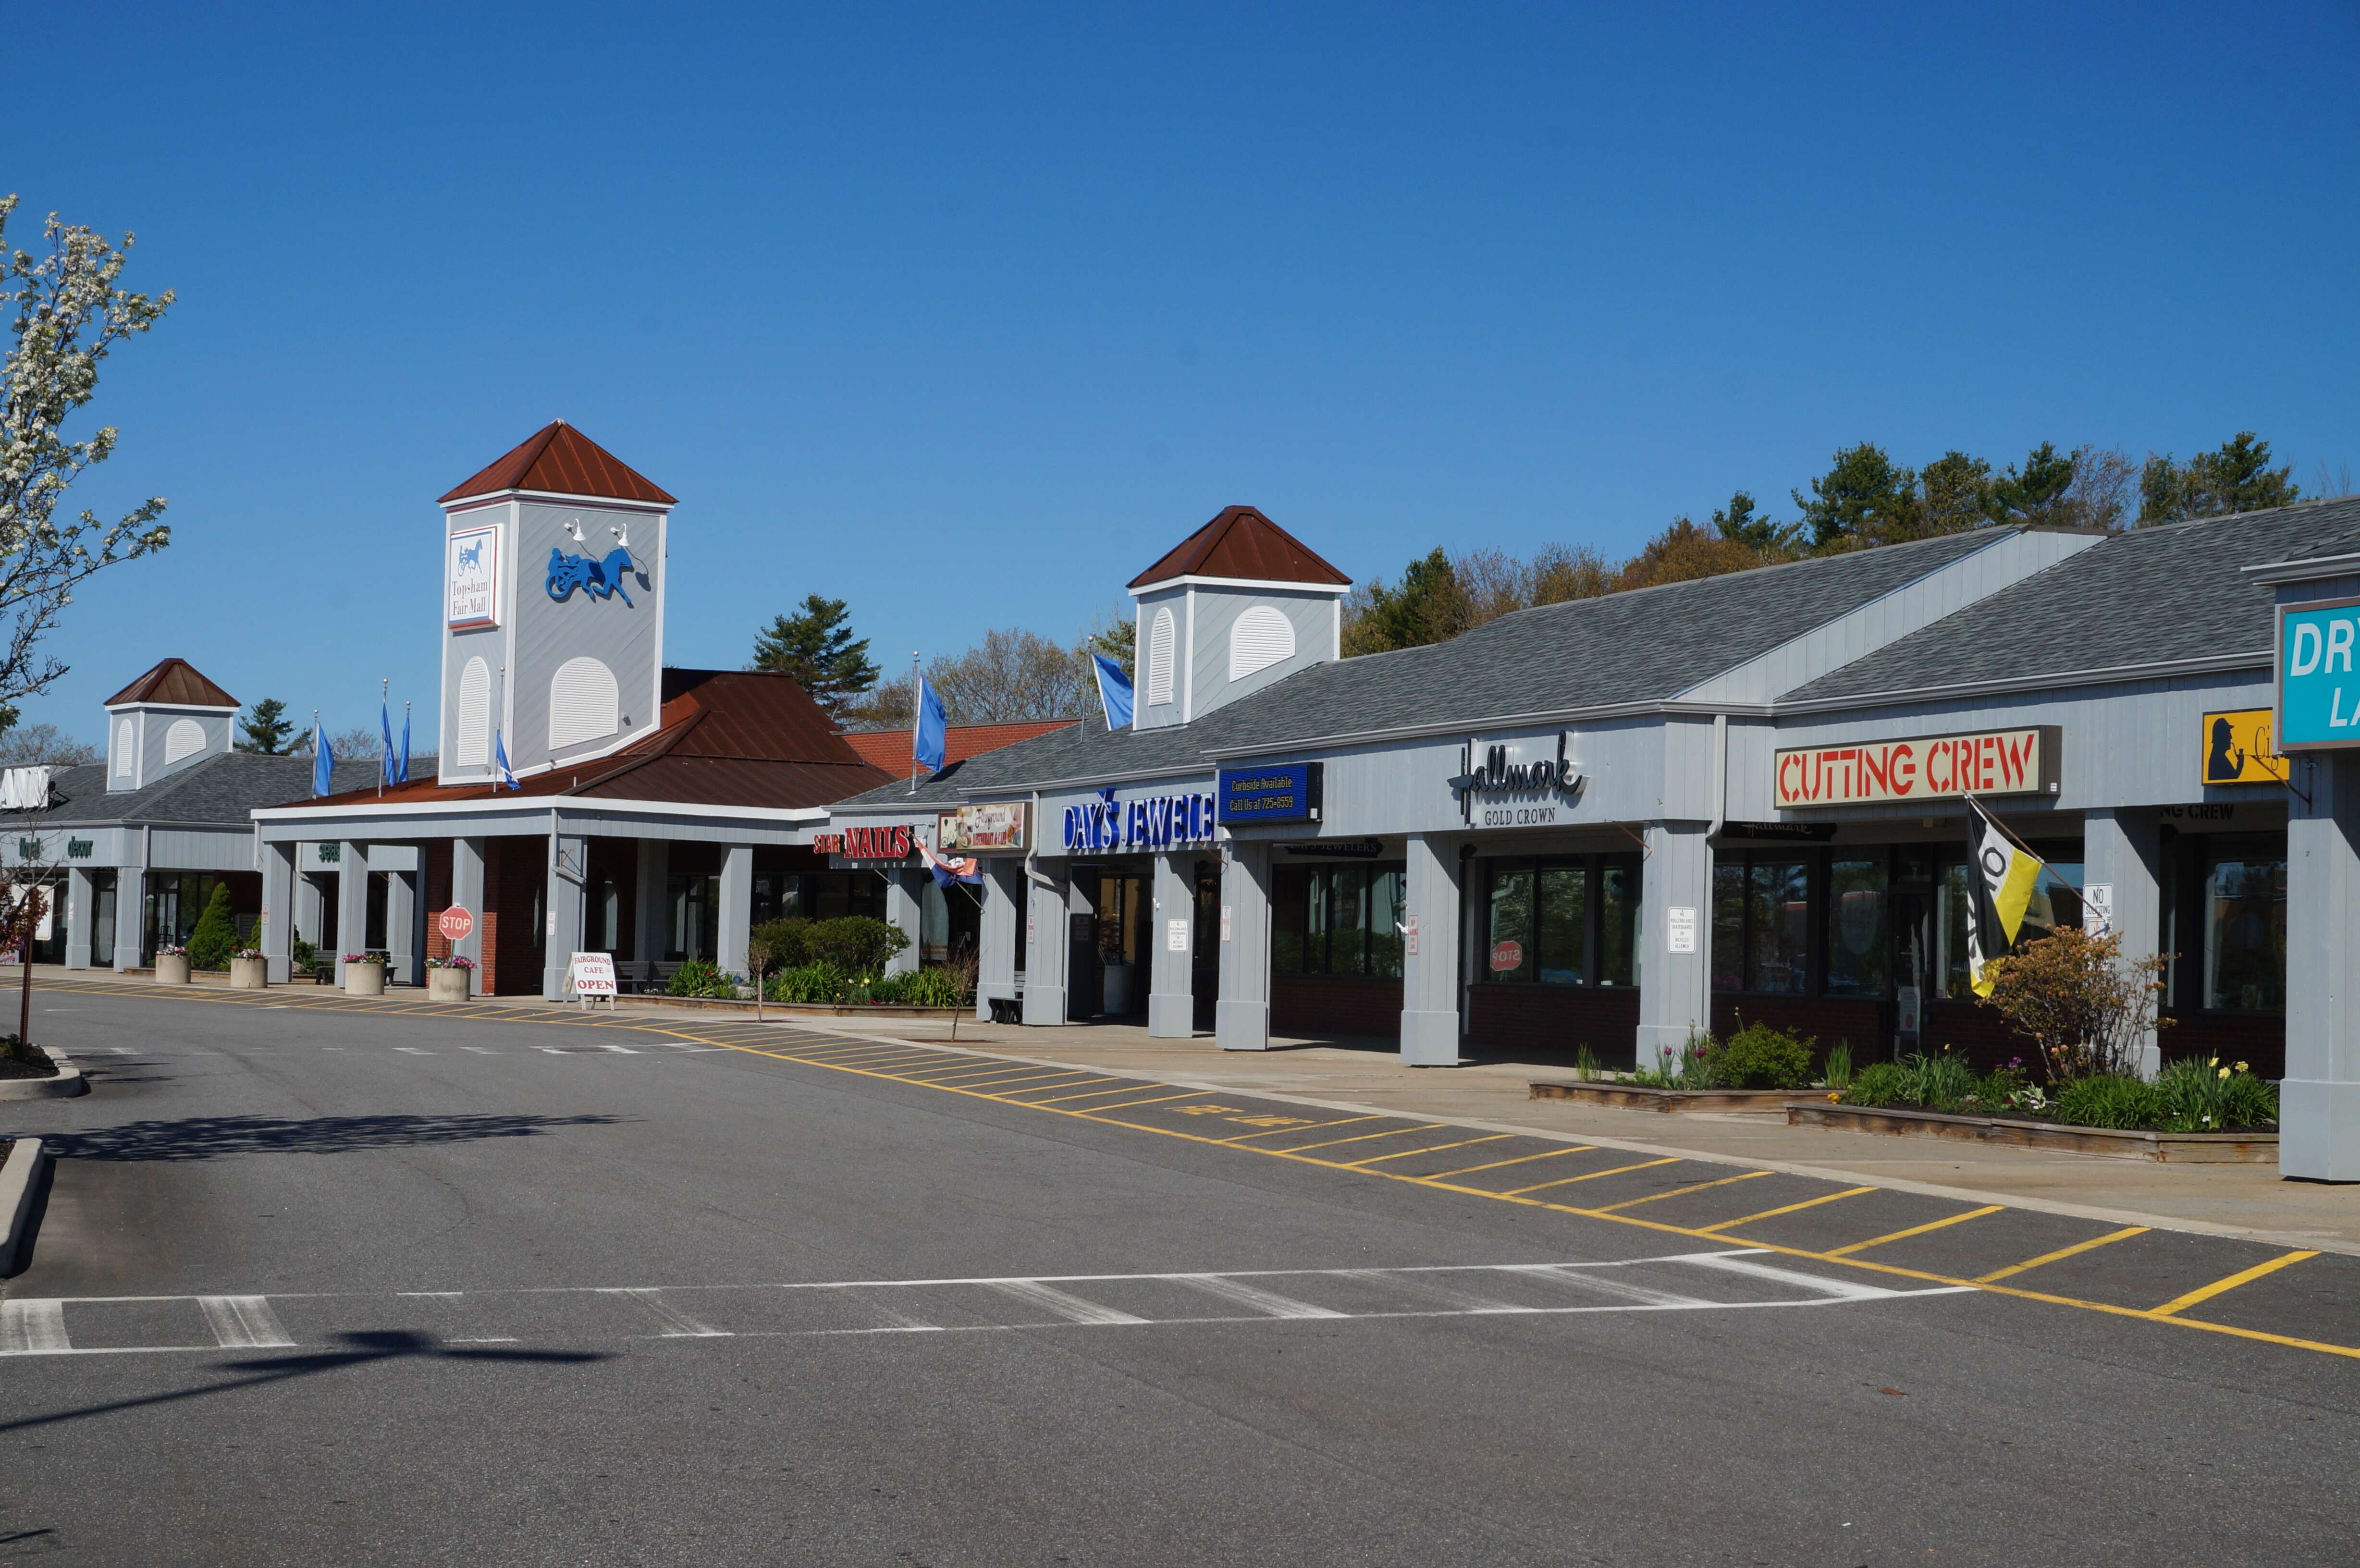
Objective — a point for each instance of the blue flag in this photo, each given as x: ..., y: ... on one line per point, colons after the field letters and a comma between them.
x: 324, y: 761
x: 402, y: 773
x: 386, y: 772
x: 502, y: 775
x: 1114, y: 692
x: 933, y: 733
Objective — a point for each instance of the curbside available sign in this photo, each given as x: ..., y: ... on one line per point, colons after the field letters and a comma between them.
x: 1925, y: 768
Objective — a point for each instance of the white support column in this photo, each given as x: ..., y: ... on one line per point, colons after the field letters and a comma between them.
x: 467, y: 893
x: 902, y: 891
x: 403, y: 925
x: 1430, y: 1027
x: 652, y: 912
x: 1675, y: 907
x: 352, y: 902
x: 130, y: 917
x: 2122, y: 849
x: 999, y: 933
x: 1081, y: 982
x: 1172, y: 939
x: 81, y: 898
x: 735, y: 920
x: 561, y: 939
x: 311, y: 906
x: 278, y: 909
x: 1241, y: 1017
x: 1044, y: 950
x: 2318, y: 1101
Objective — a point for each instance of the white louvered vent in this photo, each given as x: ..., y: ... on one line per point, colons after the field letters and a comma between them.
x: 185, y: 738
x: 123, y: 743
x: 474, y: 733
x: 1159, y: 638
x: 1263, y: 637
x: 583, y: 703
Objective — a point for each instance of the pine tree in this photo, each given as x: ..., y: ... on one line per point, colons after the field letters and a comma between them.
x: 816, y: 646
x: 215, y: 937
x: 269, y: 730
x: 2236, y: 478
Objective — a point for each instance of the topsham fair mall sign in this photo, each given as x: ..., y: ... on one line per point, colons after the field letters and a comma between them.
x: 1925, y: 768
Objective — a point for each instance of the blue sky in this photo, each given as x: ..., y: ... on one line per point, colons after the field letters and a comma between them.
x: 966, y: 318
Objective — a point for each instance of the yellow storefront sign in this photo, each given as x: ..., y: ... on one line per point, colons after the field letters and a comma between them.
x: 2239, y: 748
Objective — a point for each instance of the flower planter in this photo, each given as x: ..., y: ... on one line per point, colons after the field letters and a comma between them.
x: 1640, y: 1098
x: 364, y: 979
x: 171, y: 969
x: 249, y: 974
x: 447, y: 985
x: 2164, y: 1147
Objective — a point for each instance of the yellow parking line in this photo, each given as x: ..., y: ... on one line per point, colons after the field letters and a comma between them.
x: 1790, y: 1208
x: 1125, y: 1086
x: 1101, y: 1078
x: 1550, y: 1154
x: 1680, y: 1192
x: 1095, y: 1110
x: 2061, y: 1253
x: 1363, y: 1137
x: 2222, y: 1287
x: 1430, y: 1148
x: 1020, y: 1078
x: 1585, y: 1176
x: 1314, y: 1126
x: 1913, y: 1230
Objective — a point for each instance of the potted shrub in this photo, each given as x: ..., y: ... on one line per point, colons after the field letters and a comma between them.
x: 448, y: 979
x: 247, y: 972
x: 364, y: 975
x: 215, y: 937
x: 172, y: 965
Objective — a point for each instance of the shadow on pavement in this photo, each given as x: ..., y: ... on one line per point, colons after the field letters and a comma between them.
x: 214, y: 1138
x: 360, y: 1349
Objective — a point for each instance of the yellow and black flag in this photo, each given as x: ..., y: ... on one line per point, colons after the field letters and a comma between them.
x: 2000, y: 875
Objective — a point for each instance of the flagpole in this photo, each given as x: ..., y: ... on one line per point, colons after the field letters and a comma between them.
x: 916, y: 718
x: 384, y: 697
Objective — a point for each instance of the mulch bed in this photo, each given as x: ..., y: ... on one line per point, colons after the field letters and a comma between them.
x: 15, y: 1066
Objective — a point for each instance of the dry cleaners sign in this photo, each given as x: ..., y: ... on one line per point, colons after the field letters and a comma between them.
x: 1159, y: 822
x: 1527, y: 783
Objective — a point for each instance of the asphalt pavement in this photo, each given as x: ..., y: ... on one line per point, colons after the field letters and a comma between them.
x: 323, y: 1281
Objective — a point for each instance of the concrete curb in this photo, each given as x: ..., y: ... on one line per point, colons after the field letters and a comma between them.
x: 1635, y: 1146
x: 2103, y: 1143
x: 1640, y: 1098
x: 64, y: 1087
x: 20, y: 1179
x: 799, y: 1010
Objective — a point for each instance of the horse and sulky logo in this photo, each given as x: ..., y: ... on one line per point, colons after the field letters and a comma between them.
x: 599, y: 578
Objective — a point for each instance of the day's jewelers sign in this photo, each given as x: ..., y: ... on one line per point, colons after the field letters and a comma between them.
x: 1926, y: 768
x: 472, y: 575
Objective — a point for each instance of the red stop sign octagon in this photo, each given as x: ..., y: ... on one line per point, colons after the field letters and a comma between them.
x: 456, y: 924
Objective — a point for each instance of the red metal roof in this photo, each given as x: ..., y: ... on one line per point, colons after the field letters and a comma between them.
x: 1241, y: 542
x: 562, y: 461
x: 890, y: 749
x: 174, y: 680
x: 728, y: 739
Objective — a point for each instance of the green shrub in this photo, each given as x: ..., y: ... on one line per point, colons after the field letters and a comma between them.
x: 1836, y: 1069
x: 302, y: 955
x: 2110, y: 1100
x: 935, y: 988
x: 1585, y: 1063
x: 1880, y: 1084
x: 808, y: 983
x: 856, y: 944
x: 1941, y: 1081
x: 786, y: 942
x: 698, y: 978
x: 1760, y: 1057
x: 2201, y: 1095
x: 216, y: 937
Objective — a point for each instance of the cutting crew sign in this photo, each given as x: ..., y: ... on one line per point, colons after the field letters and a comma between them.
x: 1926, y: 768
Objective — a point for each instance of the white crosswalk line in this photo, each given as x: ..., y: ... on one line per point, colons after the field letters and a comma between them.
x: 1269, y: 1302
x: 33, y: 1327
x: 1607, y: 1284
x: 1840, y: 1290
x: 1073, y: 1309
x: 243, y: 1323
x: 412, y: 1050
x: 678, y: 1324
x: 1425, y: 1285
x: 480, y: 1050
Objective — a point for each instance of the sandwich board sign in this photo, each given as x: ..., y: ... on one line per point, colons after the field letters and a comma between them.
x: 589, y: 974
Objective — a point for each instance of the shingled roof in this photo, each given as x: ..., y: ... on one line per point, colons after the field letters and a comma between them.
x: 175, y: 681
x: 560, y: 460
x: 1239, y: 542
x: 2134, y: 599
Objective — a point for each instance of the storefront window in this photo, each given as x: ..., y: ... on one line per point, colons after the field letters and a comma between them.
x: 1508, y: 954
x: 1289, y: 885
x: 1856, y: 926
x: 2244, y: 935
x: 1388, y: 911
x: 1618, y: 920
x: 1778, y: 924
x: 1951, y: 934
x: 1564, y: 924
x: 1729, y: 923
x: 1338, y: 920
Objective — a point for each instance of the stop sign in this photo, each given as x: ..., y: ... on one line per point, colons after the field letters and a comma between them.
x: 456, y: 924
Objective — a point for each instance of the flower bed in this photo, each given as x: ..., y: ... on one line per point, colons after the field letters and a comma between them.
x: 2187, y: 1097
x: 2120, y: 1143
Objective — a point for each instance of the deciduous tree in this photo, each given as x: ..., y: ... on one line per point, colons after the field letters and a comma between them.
x: 25, y: 745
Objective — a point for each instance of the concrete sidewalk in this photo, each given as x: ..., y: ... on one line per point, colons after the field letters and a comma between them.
x: 2233, y: 1200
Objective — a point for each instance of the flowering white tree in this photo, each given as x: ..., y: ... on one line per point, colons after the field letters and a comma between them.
x: 68, y: 313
